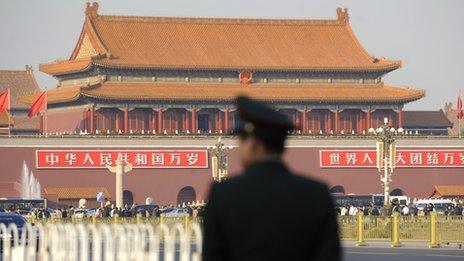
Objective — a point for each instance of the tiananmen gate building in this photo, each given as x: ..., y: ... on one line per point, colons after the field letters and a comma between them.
x: 163, y: 74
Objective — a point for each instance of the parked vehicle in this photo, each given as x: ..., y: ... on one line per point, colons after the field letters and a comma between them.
x: 91, y: 212
x: 144, y: 209
x: 357, y: 200
x: 11, y: 218
x: 440, y: 203
x: 177, y: 212
x: 22, y: 204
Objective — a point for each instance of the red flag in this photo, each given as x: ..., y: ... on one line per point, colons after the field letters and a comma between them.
x: 5, y: 101
x: 39, y: 105
x: 459, y: 113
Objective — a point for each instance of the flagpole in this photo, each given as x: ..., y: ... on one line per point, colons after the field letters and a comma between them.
x: 9, y: 113
x: 46, y: 113
x: 459, y: 120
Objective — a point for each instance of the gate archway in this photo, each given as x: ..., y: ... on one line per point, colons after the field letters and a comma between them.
x: 186, y: 194
x: 397, y: 192
x: 337, y: 189
x: 127, y: 197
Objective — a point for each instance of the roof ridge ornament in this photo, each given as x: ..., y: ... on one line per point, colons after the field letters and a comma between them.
x: 91, y: 10
x: 342, y: 15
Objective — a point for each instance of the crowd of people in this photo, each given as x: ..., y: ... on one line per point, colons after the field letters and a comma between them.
x: 456, y: 208
x: 108, y: 210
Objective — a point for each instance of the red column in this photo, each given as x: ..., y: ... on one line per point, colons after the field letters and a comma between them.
x: 87, y: 120
x: 160, y: 120
x: 92, y: 118
x: 400, y: 118
x: 186, y: 121
x: 368, y: 119
x: 126, y: 120
x: 226, y: 121
x: 117, y: 121
x: 337, y: 121
x: 121, y: 121
x: 328, y: 121
x: 152, y: 121
x: 219, y: 120
x: 359, y: 121
x: 193, y: 126
x: 304, y: 121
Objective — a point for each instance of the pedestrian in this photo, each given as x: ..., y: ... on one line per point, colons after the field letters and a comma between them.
x: 405, y: 210
x: 343, y: 211
x: 366, y: 210
x: 98, y: 212
x: 456, y: 210
x: 413, y: 211
x: 395, y: 206
x: 352, y: 211
x: 71, y: 211
x: 375, y: 211
x: 262, y: 214
x: 64, y: 213
x: 58, y: 213
x: 113, y: 211
x: 429, y: 208
x: 194, y: 212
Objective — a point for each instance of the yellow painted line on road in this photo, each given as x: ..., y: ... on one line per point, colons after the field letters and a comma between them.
x: 372, y: 253
x: 405, y: 253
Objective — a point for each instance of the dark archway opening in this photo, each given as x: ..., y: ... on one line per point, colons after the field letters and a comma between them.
x: 338, y: 189
x: 127, y: 197
x: 186, y: 194
x: 397, y: 192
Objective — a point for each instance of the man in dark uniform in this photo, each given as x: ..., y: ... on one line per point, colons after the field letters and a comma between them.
x: 268, y: 213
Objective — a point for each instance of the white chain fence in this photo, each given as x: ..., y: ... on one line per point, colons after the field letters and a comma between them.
x: 80, y: 242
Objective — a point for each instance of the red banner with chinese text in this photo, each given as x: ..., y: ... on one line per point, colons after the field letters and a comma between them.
x: 404, y: 158
x: 68, y: 159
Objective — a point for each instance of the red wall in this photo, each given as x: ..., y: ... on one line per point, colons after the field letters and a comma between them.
x: 164, y: 184
x: 69, y: 120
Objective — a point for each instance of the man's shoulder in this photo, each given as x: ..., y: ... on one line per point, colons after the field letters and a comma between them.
x: 293, y: 179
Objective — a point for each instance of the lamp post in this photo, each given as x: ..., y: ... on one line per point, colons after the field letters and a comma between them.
x: 119, y: 170
x: 386, y: 154
x: 219, y: 164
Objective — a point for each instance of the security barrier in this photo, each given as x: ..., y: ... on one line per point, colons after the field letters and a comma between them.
x: 434, y: 230
x: 82, y: 242
x: 152, y: 238
x: 138, y: 219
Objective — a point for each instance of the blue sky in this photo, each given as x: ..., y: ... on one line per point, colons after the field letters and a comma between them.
x: 427, y: 35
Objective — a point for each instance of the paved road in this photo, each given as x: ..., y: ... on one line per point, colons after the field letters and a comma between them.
x: 401, y: 254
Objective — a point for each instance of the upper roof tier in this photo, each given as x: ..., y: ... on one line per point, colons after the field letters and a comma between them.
x: 213, y: 43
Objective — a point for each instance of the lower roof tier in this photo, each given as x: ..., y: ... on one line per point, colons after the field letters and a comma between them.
x: 325, y: 93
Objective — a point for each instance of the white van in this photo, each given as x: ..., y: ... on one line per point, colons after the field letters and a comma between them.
x: 420, y: 204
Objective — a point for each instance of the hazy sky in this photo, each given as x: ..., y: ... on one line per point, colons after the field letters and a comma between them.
x: 428, y: 36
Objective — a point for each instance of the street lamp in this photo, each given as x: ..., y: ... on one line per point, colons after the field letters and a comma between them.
x: 386, y: 154
x: 219, y: 164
